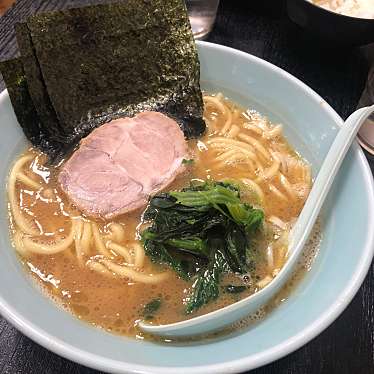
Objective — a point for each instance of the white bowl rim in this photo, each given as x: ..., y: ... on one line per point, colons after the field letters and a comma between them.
x: 77, y: 355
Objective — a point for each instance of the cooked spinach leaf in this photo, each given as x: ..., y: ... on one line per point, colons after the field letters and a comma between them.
x: 151, y: 308
x: 230, y: 288
x: 201, y: 232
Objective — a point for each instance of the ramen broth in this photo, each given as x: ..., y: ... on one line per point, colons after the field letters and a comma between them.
x: 277, y: 180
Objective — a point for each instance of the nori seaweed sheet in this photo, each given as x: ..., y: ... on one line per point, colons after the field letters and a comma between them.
x: 15, y: 80
x: 35, y: 83
x: 107, y: 61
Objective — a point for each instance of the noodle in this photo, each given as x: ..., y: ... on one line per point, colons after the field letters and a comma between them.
x: 276, y: 191
x: 255, y: 187
x: 270, y: 172
x: 253, y: 128
x: 18, y: 243
x: 99, y: 268
x: 127, y: 272
x: 48, y: 249
x: 16, y: 210
x: 274, y: 132
x: 139, y: 255
x: 78, y: 232
x: 256, y: 144
x: 234, y: 131
x: 277, y: 222
x: 120, y: 250
x: 264, y: 282
x: 270, y: 257
x: 86, y: 240
x: 99, y: 244
x: 216, y: 101
x: 117, y: 232
x: 226, y: 155
x: 287, y: 186
x: 28, y: 181
x: 227, y: 124
x: 233, y: 144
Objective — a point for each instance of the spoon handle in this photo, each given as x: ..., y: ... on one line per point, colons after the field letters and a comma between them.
x: 325, y: 178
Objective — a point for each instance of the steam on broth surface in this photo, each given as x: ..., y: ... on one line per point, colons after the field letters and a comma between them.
x: 98, y: 269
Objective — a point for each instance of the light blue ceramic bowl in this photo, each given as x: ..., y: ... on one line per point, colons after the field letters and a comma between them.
x: 345, y: 255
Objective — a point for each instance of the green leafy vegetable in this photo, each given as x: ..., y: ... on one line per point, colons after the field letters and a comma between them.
x: 201, y: 232
x: 151, y: 308
x: 187, y: 162
x: 234, y: 289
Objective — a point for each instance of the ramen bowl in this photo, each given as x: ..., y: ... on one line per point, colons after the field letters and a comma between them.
x: 345, y: 253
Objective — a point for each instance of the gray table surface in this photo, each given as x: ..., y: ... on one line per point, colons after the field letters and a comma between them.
x: 338, y: 75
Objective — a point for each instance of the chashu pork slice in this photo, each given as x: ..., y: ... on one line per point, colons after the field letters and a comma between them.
x: 120, y: 164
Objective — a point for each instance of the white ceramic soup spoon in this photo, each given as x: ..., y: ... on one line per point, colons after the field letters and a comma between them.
x: 298, y: 236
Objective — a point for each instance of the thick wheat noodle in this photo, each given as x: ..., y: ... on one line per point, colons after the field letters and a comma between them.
x: 270, y: 172
x: 253, y: 128
x: 49, y: 249
x: 281, y: 158
x: 275, y: 131
x: 99, y: 268
x: 237, y: 158
x: 19, y: 220
x: 86, y: 240
x: 224, y: 143
x: 264, y: 282
x: 117, y: 232
x: 294, y: 163
x: 223, y: 109
x: 211, y: 124
x: 276, y: 191
x: 233, y: 156
x: 228, y: 123
x: 255, y: 187
x: 99, y: 243
x: 307, y: 175
x: 127, y: 272
x: 222, y: 146
x: 28, y: 181
x: 214, y: 100
x: 120, y: 250
x: 226, y: 155
x: 256, y: 144
x: 279, y: 258
x: 18, y: 243
x: 232, y: 142
x: 277, y: 222
x: 234, y: 131
x: 270, y: 256
x: 287, y: 186
x: 78, y: 232
x: 139, y: 255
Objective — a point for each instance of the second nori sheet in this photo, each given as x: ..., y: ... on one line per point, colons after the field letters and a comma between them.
x: 35, y: 82
x: 26, y: 113
x: 15, y: 80
x: 106, y: 61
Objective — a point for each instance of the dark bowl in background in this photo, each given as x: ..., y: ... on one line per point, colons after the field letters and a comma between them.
x: 330, y: 26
